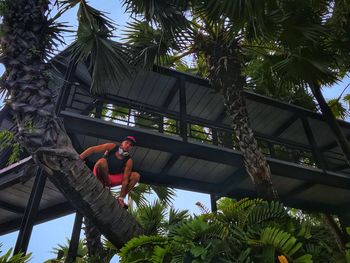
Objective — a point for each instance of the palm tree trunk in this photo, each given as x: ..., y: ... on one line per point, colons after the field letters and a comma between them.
x: 335, y: 231
x: 332, y: 121
x: 225, y: 74
x: 92, y: 238
x: 24, y: 45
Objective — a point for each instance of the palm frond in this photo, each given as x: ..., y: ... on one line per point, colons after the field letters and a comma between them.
x: 151, y: 218
x: 165, y: 194
x: 337, y: 108
x: 169, y: 14
x: 108, y: 60
x: 148, y: 45
x: 138, y: 194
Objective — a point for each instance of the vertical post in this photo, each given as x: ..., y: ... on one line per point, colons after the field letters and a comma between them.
x: 271, y: 149
x: 99, y: 106
x: 74, y: 240
x: 64, y: 92
x: 30, y: 213
x: 214, y: 134
x: 161, y: 124
x: 315, y: 151
x: 214, y: 207
x: 183, y: 110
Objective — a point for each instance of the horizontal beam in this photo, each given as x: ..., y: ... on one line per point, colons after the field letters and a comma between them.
x: 293, y: 202
x: 284, y: 126
x: 11, y: 207
x: 14, y: 173
x: 148, y: 139
x: 45, y: 215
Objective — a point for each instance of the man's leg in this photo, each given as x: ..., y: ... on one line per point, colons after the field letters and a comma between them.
x: 128, y: 184
x: 101, y: 169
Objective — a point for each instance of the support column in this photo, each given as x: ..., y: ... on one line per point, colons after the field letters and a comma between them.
x: 74, y: 240
x: 214, y: 207
x: 30, y: 213
x: 183, y: 108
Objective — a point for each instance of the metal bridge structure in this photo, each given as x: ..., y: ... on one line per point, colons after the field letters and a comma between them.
x: 184, y: 141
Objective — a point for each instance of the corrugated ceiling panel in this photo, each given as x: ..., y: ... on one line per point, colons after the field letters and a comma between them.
x: 213, y: 108
x: 160, y: 91
x: 195, y: 96
x: 174, y: 104
x: 295, y: 133
x: 326, y: 194
x: 321, y: 132
x: 6, y: 216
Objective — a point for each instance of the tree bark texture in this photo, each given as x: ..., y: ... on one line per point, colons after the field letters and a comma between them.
x: 225, y: 75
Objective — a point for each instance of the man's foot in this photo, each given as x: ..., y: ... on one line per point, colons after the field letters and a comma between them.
x: 122, y: 203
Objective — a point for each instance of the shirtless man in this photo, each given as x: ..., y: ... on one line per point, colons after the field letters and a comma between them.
x: 115, y: 167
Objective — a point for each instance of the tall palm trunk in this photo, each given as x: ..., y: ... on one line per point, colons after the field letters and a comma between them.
x: 331, y: 120
x: 25, y: 41
x: 225, y: 74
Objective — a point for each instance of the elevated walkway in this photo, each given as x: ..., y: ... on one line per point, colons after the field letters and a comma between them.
x: 185, y: 141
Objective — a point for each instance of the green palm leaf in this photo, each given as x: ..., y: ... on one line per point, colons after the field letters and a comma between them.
x: 108, y: 60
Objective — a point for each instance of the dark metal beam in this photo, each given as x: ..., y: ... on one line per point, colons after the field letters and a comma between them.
x: 171, y: 95
x: 30, y: 214
x: 214, y: 207
x: 43, y: 216
x: 12, y: 174
x: 11, y: 208
x: 292, y: 202
x: 284, y: 126
x: 320, y: 162
x: 74, y: 240
x: 183, y: 108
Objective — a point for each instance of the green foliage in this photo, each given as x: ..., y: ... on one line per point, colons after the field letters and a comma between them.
x: 61, y: 252
x: 338, y: 110
x: 142, y: 249
x: 7, y: 140
x: 243, y: 231
x: 18, y: 258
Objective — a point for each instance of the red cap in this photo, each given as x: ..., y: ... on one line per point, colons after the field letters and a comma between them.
x: 131, y: 139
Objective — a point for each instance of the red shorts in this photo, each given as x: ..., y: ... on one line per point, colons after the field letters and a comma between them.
x: 113, y: 179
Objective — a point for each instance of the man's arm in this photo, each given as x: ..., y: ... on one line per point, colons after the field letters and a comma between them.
x: 128, y: 167
x: 97, y: 149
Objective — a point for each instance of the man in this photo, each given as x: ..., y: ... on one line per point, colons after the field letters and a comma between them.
x: 115, y: 167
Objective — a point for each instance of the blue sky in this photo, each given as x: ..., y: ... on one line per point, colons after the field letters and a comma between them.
x: 47, y: 235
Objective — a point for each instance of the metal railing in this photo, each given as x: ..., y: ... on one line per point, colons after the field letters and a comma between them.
x: 136, y: 114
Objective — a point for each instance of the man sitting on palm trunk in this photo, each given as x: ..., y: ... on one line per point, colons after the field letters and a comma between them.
x: 115, y: 167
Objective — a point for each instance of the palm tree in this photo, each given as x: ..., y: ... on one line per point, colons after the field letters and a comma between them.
x: 29, y: 37
x: 307, y: 53
x: 218, y: 41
